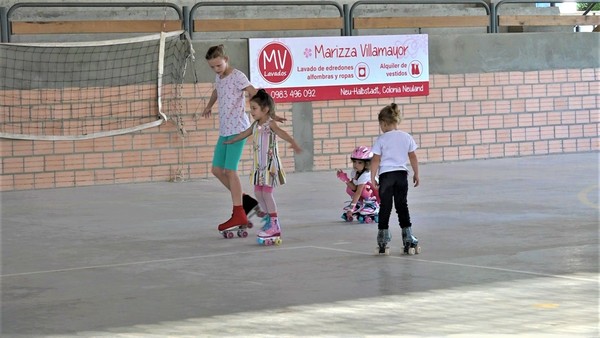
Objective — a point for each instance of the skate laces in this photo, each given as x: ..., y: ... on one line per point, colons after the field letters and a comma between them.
x: 273, y: 230
x: 357, y: 208
x: 267, y: 222
x: 370, y: 206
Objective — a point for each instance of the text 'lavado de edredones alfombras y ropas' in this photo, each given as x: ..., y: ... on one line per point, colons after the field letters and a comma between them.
x: 366, y: 50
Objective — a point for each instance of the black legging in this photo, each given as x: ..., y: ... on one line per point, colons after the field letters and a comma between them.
x: 393, y: 186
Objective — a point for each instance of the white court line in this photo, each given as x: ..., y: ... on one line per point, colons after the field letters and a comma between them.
x: 464, y: 265
x: 295, y: 248
x: 148, y: 262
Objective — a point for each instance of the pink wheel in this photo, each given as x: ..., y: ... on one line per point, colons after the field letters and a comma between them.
x: 229, y: 234
x: 243, y: 233
x: 368, y: 219
x: 249, y: 225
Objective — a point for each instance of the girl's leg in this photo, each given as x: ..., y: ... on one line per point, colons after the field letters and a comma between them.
x: 410, y: 242
x: 386, y: 193
x: 235, y: 186
x: 349, y: 191
x: 270, y: 205
x: 233, y: 153
x: 218, y: 164
x: 275, y: 229
x: 400, y: 198
x: 229, y: 156
x: 258, y: 190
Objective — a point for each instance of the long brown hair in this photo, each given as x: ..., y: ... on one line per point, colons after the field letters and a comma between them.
x: 215, y: 52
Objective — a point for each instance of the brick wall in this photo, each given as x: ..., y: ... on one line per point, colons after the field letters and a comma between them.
x: 466, y: 116
x: 474, y: 116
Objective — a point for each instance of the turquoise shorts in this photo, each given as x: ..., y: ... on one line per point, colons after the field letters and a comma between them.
x: 228, y: 156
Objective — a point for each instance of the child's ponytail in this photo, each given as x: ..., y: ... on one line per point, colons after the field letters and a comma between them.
x: 264, y: 100
x: 390, y: 114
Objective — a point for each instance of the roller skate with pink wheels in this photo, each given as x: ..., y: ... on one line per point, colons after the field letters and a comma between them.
x: 239, y: 230
x: 271, y: 236
x: 230, y: 228
x: 411, y: 243
x: 365, y: 211
x: 351, y: 212
x: 369, y: 212
x: 237, y: 224
x: 383, y: 238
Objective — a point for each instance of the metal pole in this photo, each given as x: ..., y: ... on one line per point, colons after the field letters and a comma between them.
x: 94, y: 4
x: 3, y: 25
x: 186, y: 19
x: 347, y: 28
x: 493, y: 18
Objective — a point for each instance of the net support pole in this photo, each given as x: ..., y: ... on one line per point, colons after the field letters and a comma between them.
x: 3, y: 25
x: 161, y: 65
x: 161, y: 69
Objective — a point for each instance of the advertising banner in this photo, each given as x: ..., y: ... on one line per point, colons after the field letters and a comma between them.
x: 340, y: 68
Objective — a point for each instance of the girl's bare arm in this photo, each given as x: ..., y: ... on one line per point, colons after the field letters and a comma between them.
x: 285, y: 136
x: 357, y: 193
x: 240, y: 136
x: 375, y: 161
x: 414, y: 163
x: 208, y: 109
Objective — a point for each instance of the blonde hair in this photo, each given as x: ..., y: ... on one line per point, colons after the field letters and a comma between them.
x: 390, y: 114
x: 215, y: 52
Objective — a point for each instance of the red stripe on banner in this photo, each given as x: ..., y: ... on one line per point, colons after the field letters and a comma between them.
x: 347, y: 92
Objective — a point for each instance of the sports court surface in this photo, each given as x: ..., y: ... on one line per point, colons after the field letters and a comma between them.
x: 510, y: 247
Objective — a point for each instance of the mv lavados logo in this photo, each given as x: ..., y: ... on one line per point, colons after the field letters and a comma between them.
x: 275, y: 63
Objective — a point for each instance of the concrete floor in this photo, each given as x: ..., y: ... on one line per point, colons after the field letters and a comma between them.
x: 510, y: 247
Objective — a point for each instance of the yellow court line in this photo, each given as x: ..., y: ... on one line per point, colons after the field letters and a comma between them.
x: 583, y: 196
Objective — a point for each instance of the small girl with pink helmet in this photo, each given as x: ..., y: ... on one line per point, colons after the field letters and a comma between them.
x: 365, y: 201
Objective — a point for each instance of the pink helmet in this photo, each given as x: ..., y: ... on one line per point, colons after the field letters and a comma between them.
x: 363, y: 153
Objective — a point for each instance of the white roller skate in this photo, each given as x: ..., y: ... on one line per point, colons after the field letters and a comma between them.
x: 383, y: 238
x: 369, y: 212
x: 271, y: 236
x: 411, y: 243
x: 350, y: 213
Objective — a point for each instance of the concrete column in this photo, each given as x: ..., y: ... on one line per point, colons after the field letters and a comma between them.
x: 302, y: 126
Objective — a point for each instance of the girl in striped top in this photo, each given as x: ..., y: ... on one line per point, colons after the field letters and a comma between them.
x: 267, y: 171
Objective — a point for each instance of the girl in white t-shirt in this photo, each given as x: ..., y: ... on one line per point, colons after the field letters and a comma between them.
x: 364, y: 204
x: 391, y: 152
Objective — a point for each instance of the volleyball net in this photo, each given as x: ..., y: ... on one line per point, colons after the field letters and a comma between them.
x: 71, y: 91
